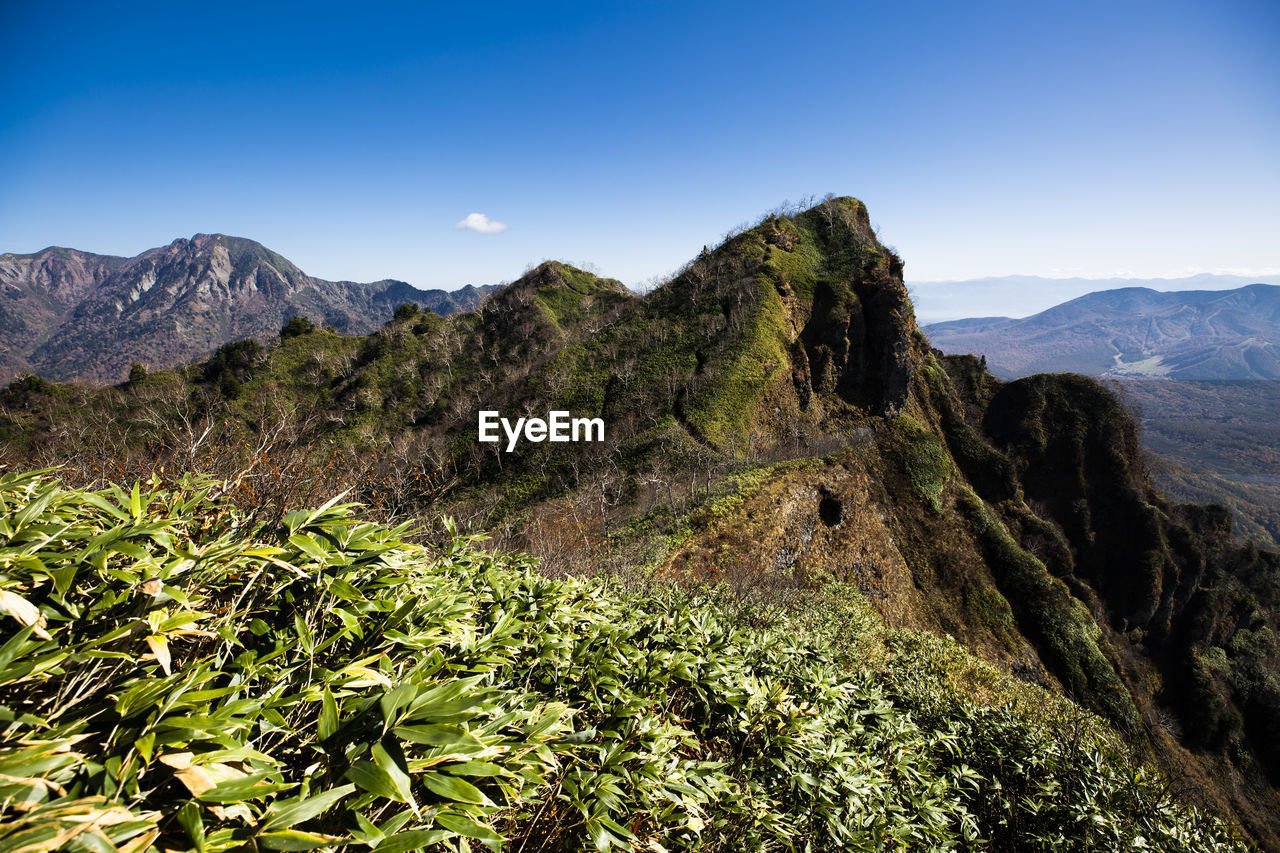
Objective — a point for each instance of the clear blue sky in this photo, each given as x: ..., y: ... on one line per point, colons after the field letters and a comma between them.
x: 1087, y: 138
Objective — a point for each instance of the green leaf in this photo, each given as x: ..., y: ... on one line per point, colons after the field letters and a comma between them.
x: 465, y: 825
x: 99, y: 502
x: 374, y: 779
x: 328, y: 715
x: 393, y: 700
x: 251, y: 787
x: 476, y: 768
x: 453, y: 788
x: 436, y: 735
x: 292, y: 839
x: 307, y: 544
x: 305, y: 638
x: 601, y: 837
x: 286, y: 813
x: 14, y: 644
x: 414, y: 839
x: 395, y: 771
x: 616, y: 828
x: 190, y: 820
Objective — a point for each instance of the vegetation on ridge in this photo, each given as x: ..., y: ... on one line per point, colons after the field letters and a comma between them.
x: 177, y: 676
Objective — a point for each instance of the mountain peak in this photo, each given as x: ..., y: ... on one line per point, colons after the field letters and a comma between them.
x: 73, y: 315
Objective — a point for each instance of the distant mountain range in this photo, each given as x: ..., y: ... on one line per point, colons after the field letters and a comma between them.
x: 1024, y: 295
x: 67, y: 314
x: 1132, y: 332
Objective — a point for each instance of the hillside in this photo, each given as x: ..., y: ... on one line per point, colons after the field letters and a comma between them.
x: 1190, y: 335
x: 775, y: 422
x: 66, y: 314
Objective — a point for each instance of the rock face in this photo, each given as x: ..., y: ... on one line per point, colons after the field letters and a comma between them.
x: 66, y: 314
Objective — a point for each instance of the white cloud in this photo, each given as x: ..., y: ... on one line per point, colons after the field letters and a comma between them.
x: 483, y: 224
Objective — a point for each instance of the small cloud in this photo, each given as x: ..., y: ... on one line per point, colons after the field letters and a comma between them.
x: 483, y: 224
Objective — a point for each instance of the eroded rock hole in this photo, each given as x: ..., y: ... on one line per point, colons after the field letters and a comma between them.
x: 830, y: 510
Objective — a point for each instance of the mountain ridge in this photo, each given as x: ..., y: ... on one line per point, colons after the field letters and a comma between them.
x: 68, y: 314
x: 775, y: 419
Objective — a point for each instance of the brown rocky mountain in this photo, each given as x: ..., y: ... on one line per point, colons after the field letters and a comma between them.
x: 72, y: 315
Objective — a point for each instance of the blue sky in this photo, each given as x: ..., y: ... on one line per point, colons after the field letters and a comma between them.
x: 987, y: 139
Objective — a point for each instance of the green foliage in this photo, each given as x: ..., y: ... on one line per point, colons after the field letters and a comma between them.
x: 24, y: 389
x: 298, y: 325
x: 406, y: 311
x: 925, y: 460
x: 1075, y: 787
x: 231, y: 366
x: 177, y: 677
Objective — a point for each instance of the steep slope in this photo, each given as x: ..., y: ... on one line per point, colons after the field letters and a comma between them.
x: 774, y: 419
x: 73, y: 315
x: 1203, y: 334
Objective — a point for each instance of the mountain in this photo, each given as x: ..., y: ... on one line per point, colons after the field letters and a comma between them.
x: 1133, y: 331
x: 66, y: 314
x: 776, y: 426
x: 1024, y: 295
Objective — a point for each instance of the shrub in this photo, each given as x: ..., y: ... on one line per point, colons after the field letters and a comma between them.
x: 296, y: 327
x: 178, y: 677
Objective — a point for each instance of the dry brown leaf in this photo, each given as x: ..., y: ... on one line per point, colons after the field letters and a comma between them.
x: 152, y: 586
x: 105, y: 817
x: 160, y: 648
x: 200, y: 778
x: 25, y: 612
x: 197, y: 779
x: 177, y: 760
x: 87, y: 823
x: 192, y: 632
x: 224, y: 772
